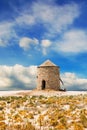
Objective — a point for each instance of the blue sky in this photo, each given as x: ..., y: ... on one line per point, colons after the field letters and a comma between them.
x: 32, y: 31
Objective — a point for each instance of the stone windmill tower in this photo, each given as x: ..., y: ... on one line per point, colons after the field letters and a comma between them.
x: 48, y: 76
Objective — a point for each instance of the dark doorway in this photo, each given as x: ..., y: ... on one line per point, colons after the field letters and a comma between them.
x: 43, y: 84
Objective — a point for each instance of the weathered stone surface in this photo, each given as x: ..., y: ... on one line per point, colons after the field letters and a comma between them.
x: 48, y: 73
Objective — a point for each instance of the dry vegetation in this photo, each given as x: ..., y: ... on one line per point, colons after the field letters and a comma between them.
x: 43, y: 113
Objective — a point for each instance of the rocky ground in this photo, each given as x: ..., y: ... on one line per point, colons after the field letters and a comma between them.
x: 43, y: 110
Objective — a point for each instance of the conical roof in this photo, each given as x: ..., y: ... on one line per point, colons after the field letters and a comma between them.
x: 47, y: 63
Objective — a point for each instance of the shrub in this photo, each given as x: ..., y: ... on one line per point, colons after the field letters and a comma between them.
x: 83, y: 119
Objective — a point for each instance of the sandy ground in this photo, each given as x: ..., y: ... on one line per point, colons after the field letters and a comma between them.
x: 40, y: 92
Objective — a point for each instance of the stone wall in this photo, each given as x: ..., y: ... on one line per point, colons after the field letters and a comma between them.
x: 51, y: 76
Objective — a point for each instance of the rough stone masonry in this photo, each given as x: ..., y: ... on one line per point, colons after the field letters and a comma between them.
x: 48, y: 76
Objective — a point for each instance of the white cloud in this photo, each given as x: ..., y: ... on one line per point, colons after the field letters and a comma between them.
x: 73, y: 82
x: 6, y: 33
x: 17, y: 77
x: 53, y: 17
x: 73, y: 41
x: 26, y: 18
x: 5, y: 82
x: 20, y: 77
x: 45, y: 45
x: 26, y: 42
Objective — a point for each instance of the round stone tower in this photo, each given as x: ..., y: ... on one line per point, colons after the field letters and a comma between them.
x: 48, y: 76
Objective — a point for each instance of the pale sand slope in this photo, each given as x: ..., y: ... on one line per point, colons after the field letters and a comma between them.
x: 12, y: 93
x: 41, y: 92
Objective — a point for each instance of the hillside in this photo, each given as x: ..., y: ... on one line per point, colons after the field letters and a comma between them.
x: 44, y: 112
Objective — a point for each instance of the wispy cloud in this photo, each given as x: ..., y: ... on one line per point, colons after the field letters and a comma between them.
x: 45, y: 45
x: 26, y: 42
x: 6, y: 33
x: 39, y: 45
x: 73, y: 42
x: 54, y: 18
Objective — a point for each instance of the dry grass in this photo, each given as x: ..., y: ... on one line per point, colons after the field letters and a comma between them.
x: 43, y: 112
